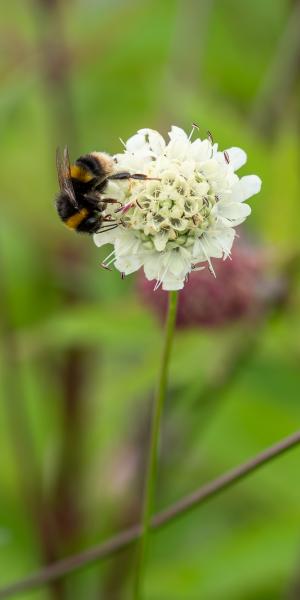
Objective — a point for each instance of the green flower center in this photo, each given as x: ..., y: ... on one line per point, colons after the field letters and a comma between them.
x: 171, y: 212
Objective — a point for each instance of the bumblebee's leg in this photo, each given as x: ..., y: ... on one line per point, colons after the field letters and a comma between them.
x: 92, y: 200
x: 127, y: 175
x: 109, y: 222
x: 97, y: 203
x: 110, y: 201
x: 106, y: 228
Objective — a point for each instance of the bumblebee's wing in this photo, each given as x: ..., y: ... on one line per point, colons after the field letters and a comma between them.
x: 64, y: 175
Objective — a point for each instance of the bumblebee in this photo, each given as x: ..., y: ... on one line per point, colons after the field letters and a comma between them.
x: 80, y: 203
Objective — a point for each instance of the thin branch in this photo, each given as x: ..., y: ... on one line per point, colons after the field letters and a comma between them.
x: 123, y: 539
x: 224, y: 481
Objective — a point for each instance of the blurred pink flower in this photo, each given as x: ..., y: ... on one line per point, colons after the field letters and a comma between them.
x: 239, y: 290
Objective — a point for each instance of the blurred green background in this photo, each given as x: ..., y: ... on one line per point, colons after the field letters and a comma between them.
x: 79, y: 350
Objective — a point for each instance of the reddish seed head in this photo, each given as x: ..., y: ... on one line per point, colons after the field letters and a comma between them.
x: 236, y: 293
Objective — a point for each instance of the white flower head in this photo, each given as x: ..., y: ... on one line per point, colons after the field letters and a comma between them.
x: 184, y: 214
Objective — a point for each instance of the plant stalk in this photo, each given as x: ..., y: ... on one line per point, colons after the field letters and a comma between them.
x: 154, y: 443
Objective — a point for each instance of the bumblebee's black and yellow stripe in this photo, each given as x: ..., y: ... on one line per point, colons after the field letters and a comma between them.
x: 88, y: 173
x: 79, y: 203
x: 84, y: 219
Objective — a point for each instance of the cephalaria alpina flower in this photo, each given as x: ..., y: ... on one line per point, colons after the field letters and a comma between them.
x: 184, y: 214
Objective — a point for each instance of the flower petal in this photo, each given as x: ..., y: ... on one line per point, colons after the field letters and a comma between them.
x: 206, y: 247
x: 245, y: 188
x: 177, y: 133
x: 237, y: 157
x: 136, y: 143
x: 128, y: 264
x: 171, y: 284
x: 103, y: 238
x: 236, y: 212
x: 200, y: 151
x: 153, y: 263
x: 178, y: 263
x: 113, y: 190
x: 177, y: 148
x: 160, y: 240
x: 224, y: 238
x: 156, y: 142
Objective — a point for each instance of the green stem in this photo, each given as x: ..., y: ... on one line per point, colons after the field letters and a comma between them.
x: 154, y: 441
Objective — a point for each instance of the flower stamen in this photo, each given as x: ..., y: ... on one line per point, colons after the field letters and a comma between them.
x: 194, y: 126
